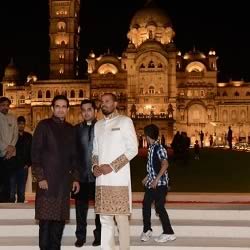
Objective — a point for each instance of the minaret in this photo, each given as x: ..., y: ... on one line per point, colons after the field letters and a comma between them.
x: 64, y: 31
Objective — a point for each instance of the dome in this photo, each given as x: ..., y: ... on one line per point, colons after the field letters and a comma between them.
x: 152, y: 23
x: 11, y: 73
x: 150, y: 16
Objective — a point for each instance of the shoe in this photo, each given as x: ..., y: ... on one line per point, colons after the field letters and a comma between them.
x: 79, y: 243
x: 96, y: 243
x: 165, y: 237
x: 146, y: 236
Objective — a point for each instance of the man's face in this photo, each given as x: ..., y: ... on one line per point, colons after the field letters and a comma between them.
x: 60, y: 109
x: 21, y: 126
x: 4, y: 107
x: 88, y: 112
x: 108, y: 105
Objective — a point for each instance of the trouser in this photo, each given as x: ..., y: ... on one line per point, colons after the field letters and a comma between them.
x: 87, y: 192
x: 18, y: 180
x: 50, y: 234
x: 108, y: 229
x: 81, y: 221
x: 4, y: 181
x: 158, y: 196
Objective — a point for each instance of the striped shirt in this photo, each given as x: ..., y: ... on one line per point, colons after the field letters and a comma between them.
x: 156, y: 154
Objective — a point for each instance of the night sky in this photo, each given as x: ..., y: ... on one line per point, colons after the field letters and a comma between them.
x: 104, y: 24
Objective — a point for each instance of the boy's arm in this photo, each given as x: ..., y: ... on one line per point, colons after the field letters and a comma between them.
x: 164, y: 167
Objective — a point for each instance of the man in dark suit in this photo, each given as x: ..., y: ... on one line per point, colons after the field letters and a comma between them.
x: 84, y: 137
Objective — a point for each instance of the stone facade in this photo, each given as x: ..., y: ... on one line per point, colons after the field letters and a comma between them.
x: 154, y: 82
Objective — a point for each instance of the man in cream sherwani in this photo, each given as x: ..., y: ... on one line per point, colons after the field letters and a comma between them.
x: 115, y: 144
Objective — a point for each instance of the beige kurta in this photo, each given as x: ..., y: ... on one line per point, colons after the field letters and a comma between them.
x: 8, y: 132
x: 115, y: 143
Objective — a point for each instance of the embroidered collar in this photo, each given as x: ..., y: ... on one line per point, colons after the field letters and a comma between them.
x: 112, y: 115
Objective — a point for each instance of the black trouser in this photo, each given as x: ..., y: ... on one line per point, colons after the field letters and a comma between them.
x: 158, y: 196
x: 82, y: 205
x: 4, y: 181
x: 50, y: 234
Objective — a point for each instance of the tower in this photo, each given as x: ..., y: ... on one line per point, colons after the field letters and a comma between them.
x: 64, y: 32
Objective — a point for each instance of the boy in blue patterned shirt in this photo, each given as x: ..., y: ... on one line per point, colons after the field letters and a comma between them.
x: 156, y: 187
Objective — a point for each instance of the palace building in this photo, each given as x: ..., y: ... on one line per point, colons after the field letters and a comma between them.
x: 154, y: 81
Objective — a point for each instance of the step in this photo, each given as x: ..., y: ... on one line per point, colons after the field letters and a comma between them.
x: 197, y: 226
x: 181, y: 243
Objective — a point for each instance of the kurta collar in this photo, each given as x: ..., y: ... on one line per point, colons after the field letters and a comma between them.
x: 111, y: 116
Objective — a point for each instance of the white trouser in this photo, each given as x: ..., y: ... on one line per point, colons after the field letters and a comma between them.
x: 108, y: 231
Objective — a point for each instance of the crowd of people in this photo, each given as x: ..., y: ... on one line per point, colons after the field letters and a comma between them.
x: 89, y: 161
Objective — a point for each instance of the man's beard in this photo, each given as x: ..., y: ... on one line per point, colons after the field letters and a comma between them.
x: 106, y: 112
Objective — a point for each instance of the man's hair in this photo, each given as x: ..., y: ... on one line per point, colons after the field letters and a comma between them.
x: 59, y: 97
x: 114, y: 97
x: 4, y: 99
x: 21, y: 119
x: 92, y: 102
x: 152, y: 131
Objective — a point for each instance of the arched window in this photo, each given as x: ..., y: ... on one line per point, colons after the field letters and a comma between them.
x: 151, y: 90
x: 81, y: 94
x: 248, y: 93
x: 48, y: 94
x: 61, y: 26
x: 40, y: 94
x: 72, y: 94
x: 236, y: 93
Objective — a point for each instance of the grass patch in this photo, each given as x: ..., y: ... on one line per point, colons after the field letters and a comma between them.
x: 218, y: 170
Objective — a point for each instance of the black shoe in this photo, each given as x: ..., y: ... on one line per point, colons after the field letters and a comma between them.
x: 79, y: 243
x: 96, y: 242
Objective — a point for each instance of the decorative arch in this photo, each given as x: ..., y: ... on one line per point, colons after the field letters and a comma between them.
x: 61, y: 26
x: 72, y: 94
x: 108, y: 68
x: 195, y: 67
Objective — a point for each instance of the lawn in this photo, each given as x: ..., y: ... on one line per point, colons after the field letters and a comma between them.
x: 218, y: 170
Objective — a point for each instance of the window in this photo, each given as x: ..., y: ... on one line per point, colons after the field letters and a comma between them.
x: 48, y: 94
x: 224, y: 93
x: 151, y: 90
x: 72, y: 94
x: 248, y: 93
x: 151, y: 64
x: 40, y: 94
x: 81, y: 94
x: 22, y: 99
x: 236, y: 93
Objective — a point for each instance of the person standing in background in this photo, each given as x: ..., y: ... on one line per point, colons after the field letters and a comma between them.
x: 19, y: 176
x: 8, y: 139
x: 84, y: 147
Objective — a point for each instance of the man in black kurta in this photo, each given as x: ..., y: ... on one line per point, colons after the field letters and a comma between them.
x: 54, y: 163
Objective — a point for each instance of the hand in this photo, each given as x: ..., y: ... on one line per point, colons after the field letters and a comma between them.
x: 75, y: 187
x: 144, y: 181
x: 43, y: 184
x: 97, y: 171
x: 10, y: 152
x: 106, y: 169
x: 154, y: 183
